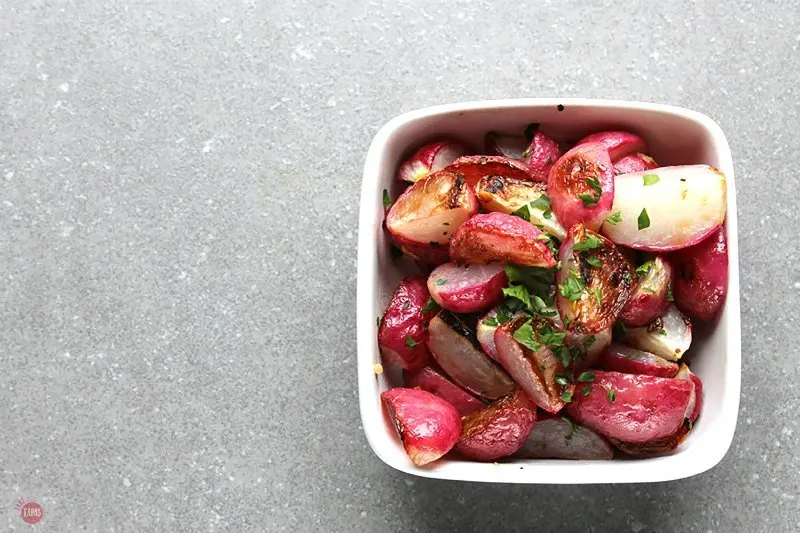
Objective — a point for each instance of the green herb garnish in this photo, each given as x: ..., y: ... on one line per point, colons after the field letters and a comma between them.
x: 519, y: 292
x: 566, y: 396
x: 589, y: 341
x: 587, y: 389
x: 614, y: 218
x: 411, y: 343
x: 387, y: 200
x: 525, y: 336
x: 650, y: 179
x: 594, y: 261
x: 598, y: 294
x: 645, y: 268
x: 562, y: 380
x: 430, y: 305
x: 589, y: 243
x: 612, y: 395
x: 643, y: 220
x: 441, y: 281
x: 586, y: 377
x: 523, y: 212
x: 591, y: 199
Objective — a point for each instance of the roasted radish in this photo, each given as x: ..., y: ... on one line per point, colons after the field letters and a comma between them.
x: 426, y: 378
x: 581, y: 186
x: 428, y: 426
x: 541, y: 155
x: 474, y: 167
x: 666, y: 208
x: 487, y: 325
x: 686, y: 374
x: 527, y: 199
x: 589, y: 346
x: 497, y: 237
x: 650, y: 296
x: 457, y: 351
x: 557, y: 437
x: 402, y: 334
x: 594, y: 282
x: 668, y: 336
x: 701, y: 283
x: 621, y: 358
x: 618, y: 143
x: 467, y: 288
x: 510, y: 146
x: 634, y: 163
x: 497, y: 430
x: 430, y: 158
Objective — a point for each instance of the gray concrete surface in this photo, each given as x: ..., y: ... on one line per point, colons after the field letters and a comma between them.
x: 178, y: 195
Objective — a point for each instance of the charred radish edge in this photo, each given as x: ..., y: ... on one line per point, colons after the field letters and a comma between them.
x: 649, y: 298
x: 668, y: 336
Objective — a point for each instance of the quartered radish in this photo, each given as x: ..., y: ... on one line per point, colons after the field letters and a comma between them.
x: 497, y: 237
x: 510, y: 146
x: 667, y: 208
x: 427, y: 378
x: 401, y: 333
x: 540, y: 155
x: 594, y: 282
x: 557, y: 437
x: 497, y: 430
x: 457, y: 351
x: 668, y: 336
x: 428, y: 426
x: 621, y: 358
x: 701, y: 283
x: 581, y: 186
x: 430, y: 158
x: 527, y: 199
x: 423, y: 219
x: 686, y: 374
x: 474, y: 167
x: 618, y: 143
x: 634, y: 163
x: 467, y: 288
x: 487, y: 325
x: 650, y: 296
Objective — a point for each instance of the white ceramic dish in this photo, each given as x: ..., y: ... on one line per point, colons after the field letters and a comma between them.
x: 675, y: 136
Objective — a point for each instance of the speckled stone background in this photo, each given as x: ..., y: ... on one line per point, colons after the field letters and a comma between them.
x: 178, y: 195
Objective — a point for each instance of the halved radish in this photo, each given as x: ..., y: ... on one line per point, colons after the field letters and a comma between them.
x: 668, y: 336
x: 686, y: 374
x: 497, y: 237
x: 497, y: 430
x: 581, y: 186
x: 457, y: 351
x: 430, y: 158
x: 487, y: 325
x: 618, y: 143
x: 467, y: 288
x: 589, y: 346
x: 432, y: 381
x: 538, y: 372
x: 474, y: 167
x: 621, y: 358
x: 634, y: 163
x: 402, y: 334
x: 510, y: 146
x: 633, y: 408
x: 428, y: 426
x: 527, y: 198
x: 648, y: 299
x: 702, y: 281
x: 540, y: 155
x: 557, y: 437
x: 594, y: 282
x: 423, y: 219
x: 667, y: 208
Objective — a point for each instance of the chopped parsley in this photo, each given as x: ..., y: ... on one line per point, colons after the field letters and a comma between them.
x: 612, y: 395
x: 650, y: 179
x: 519, y: 292
x: 594, y: 261
x: 441, y: 281
x: 387, y: 200
x: 525, y: 336
x: 411, y: 343
x: 566, y: 396
x: 589, y: 341
x: 643, y: 220
x: 645, y: 268
x: 543, y: 203
x: 562, y: 380
x: 491, y: 322
x: 589, y: 243
x: 572, y: 428
x: 591, y: 199
x: 430, y: 305
x: 523, y: 212
x: 378, y: 322
x: 614, y: 218
x: 662, y: 331
x: 572, y: 287
x: 598, y: 294
x: 587, y: 389
x: 586, y: 377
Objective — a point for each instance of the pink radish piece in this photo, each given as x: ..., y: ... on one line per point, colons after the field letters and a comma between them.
x: 497, y: 237
x: 487, y: 325
x: 430, y: 158
x: 423, y: 219
x: 510, y: 146
x: 556, y: 437
x: 432, y: 381
x: 686, y: 374
x: 467, y: 288
x: 618, y: 143
x: 474, y: 167
x: 509, y: 195
x: 402, y: 334
x: 667, y: 208
x: 541, y: 155
x: 497, y: 430
x: 634, y: 163
x: 428, y: 426
x: 581, y: 186
x: 701, y: 283
x: 648, y: 300
x: 457, y: 351
x: 621, y: 358
x: 668, y: 336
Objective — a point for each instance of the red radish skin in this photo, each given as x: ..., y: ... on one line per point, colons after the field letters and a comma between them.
x: 648, y: 301
x: 573, y: 198
x: 499, y: 429
x: 644, y: 409
x: 423, y: 219
x: 683, y: 206
x: 555, y: 437
x: 401, y: 334
x: 534, y: 372
x: 507, y: 195
x: 510, y: 146
x: 540, y: 156
x: 621, y: 358
x: 497, y: 237
x: 432, y: 381
x: 474, y: 167
x: 618, y: 143
x: 685, y: 374
x: 701, y: 283
x: 467, y: 288
x: 430, y: 158
x: 634, y: 163
x: 428, y: 426
x: 458, y: 353
x: 668, y: 336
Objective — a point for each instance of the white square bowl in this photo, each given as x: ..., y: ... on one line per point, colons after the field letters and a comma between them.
x: 675, y: 136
